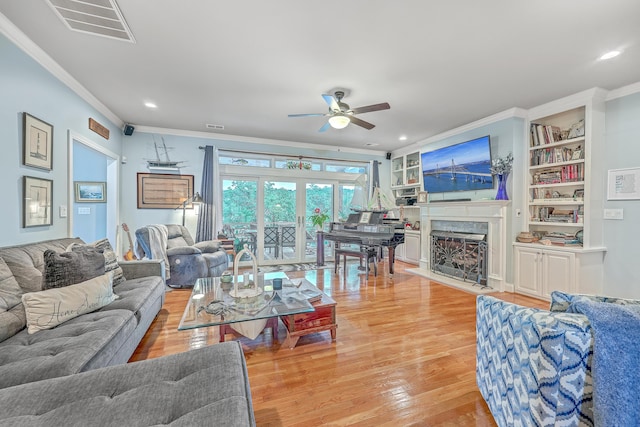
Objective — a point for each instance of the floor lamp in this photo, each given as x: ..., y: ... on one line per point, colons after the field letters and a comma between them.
x: 193, y: 199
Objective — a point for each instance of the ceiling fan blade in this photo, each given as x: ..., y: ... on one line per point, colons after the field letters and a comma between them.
x: 331, y: 102
x: 325, y: 127
x: 362, y: 123
x: 308, y: 115
x: 370, y: 108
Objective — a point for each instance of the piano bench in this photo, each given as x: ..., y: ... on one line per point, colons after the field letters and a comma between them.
x: 365, y: 254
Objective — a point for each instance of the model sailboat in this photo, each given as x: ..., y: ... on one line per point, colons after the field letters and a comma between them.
x: 159, y: 163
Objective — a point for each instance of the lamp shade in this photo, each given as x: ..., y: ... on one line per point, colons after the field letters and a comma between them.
x: 339, y: 121
x: 196, y: 198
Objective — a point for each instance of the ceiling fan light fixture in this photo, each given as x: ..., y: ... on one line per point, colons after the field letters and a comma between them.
x: 339, y: 121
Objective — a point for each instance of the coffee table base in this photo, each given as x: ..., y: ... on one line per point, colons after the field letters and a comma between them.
x: 323, y: 319
x: 271, y: 323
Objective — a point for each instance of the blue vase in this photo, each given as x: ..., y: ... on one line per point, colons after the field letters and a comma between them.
x: 502, y: 187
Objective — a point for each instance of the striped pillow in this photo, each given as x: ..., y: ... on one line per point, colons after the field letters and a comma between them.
x: 110, y: 258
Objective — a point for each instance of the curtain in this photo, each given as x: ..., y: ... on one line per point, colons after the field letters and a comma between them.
x: 205, y: 229
x: 375, y: 176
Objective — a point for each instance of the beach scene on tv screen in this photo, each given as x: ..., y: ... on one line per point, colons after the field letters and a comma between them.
x: 460, y: 167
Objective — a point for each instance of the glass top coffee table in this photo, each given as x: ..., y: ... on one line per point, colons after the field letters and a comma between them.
x: 210, y: 303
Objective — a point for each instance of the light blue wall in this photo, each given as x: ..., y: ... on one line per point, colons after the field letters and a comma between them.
x: 622, y: 237
x: 89, y: 165
x: 507, y: 136
x: 25, y: 86
x: 138, y: 148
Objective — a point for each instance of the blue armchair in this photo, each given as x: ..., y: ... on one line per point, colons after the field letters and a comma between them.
x: 187, y: 260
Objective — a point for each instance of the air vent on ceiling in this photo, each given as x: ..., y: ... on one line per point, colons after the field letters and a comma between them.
x: 98, y: 17
x: 216, y: 127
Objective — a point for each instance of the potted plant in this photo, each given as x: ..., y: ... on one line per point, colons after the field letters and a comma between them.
x: 318, y: 218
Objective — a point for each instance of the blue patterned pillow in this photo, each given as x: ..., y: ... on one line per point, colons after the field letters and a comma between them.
x: 560, y: 301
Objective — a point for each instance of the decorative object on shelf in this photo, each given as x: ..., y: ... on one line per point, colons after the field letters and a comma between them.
x: 502, y: 187
x: 501, y: 166
x: 422, y: 197
x: 318, y: 218
x: 526, y: 237
x: 416, y: 225
x: 577, y: 130
x: 250, y: 291
x: 37, y: 202
x: 90, y: 192
x: 37, y: 143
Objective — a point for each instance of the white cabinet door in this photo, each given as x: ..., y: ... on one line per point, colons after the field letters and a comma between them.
x: 558, y: 272
x: 527, y: 271
x: 412, y: 248
x: 399, y: 254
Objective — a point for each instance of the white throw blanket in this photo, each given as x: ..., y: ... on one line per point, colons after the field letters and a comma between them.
x: 158, y: 236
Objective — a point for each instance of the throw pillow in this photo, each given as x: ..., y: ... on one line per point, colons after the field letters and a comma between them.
x: 110, y: 259
x: 68, y: 268
x: 560, y: 301
x: 49, y: 308
x: 10, y: 291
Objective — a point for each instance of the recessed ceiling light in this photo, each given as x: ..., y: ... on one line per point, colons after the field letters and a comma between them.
x: 610, y: 55
x: 403, y: 138
x: 150, y: 105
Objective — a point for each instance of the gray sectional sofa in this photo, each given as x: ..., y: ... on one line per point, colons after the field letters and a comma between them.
x: 105, y: 337
x: 76, y: 373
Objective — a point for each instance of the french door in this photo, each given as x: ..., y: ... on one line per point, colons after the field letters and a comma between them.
x: 285, y: 232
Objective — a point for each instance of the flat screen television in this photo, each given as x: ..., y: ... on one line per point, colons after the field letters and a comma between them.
x: 461, y: 167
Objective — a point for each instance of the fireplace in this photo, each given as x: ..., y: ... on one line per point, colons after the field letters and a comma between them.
x: 459, y: 249
x: 486, y: 221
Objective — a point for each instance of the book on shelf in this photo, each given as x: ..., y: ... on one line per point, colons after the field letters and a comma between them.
x: 544, y: 134
x: 561, y: 239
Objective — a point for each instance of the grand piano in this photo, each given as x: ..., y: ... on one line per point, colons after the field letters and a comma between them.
x: 367, y: 229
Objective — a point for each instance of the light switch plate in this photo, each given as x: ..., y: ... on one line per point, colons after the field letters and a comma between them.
x: 613, y: 214
x: 63, y: 211
x: 84, y: 211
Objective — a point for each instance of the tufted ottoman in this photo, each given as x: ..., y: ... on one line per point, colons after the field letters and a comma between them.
x: 208, y: 386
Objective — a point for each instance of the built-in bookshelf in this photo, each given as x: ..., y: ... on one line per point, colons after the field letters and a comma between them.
x: 557, y: 176
x: 405, y: 170
x: 564, y: 205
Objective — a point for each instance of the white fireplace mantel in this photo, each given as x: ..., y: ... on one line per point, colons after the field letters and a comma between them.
x: 493, y: 212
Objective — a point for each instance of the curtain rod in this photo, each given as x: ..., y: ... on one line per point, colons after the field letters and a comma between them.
x: 290, y: 155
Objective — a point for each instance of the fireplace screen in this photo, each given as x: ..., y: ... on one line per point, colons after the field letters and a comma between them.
x: 460, y: 255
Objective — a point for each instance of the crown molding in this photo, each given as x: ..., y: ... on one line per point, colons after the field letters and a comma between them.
x: 253, y: 140
x: 506, y: 114
x: 17, y: 37
x: 623, y: 91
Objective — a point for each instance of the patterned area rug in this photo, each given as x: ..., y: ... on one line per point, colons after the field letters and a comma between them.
x: 292, y: 267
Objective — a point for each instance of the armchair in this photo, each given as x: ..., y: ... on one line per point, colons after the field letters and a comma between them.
x: 186, y: 260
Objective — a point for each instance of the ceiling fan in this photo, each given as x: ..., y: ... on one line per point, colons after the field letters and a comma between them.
x: 340, y: 114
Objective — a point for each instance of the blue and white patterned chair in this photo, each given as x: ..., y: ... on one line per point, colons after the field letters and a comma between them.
x: 533, y: 367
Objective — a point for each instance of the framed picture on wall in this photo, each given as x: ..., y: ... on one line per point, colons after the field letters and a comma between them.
x: 164, y: 191
x: 37, y: 201
x: 37, y: 143
x: 91, y: 192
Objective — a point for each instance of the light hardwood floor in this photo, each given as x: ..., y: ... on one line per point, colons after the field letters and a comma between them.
x: 404, y: 355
